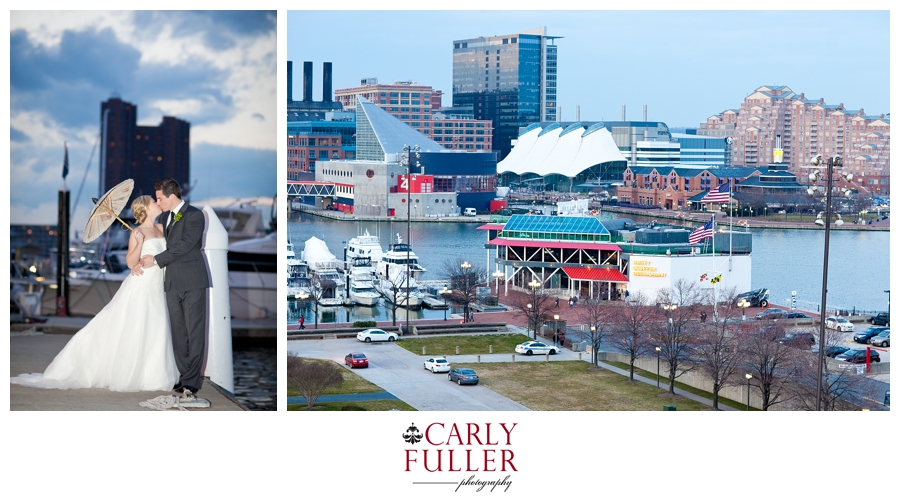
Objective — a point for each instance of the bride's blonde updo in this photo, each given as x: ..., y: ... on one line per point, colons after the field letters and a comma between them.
x: 139, y: 208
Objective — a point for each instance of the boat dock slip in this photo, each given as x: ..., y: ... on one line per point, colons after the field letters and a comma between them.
x: 434, y: 303
x: 31, y: 352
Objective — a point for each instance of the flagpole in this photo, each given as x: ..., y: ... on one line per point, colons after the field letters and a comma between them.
x: 715, y: 284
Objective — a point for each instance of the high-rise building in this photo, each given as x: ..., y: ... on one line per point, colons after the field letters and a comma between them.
x: 509, y: 80
x: 419, y: 106
x: 147, y: 154
x: 805, y: 128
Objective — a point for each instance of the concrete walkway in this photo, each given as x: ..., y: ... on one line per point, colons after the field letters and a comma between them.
x: 31, y: 352
x: 347, y: 397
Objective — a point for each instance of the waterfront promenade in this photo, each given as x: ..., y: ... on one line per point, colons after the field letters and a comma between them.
x: 32, y: 346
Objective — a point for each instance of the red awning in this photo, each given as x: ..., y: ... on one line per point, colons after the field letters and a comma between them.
x: 554, y: 245
x: 491, y: 226
x: 595, y: 274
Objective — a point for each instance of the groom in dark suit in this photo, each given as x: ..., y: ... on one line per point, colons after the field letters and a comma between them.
x: 186, y: 282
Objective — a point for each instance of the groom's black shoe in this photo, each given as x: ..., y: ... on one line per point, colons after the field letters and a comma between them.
x: 179, y: 388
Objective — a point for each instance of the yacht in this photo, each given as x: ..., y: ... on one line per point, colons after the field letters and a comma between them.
x: 361, y: 276
x: 394, y: 261
x: 395, y: 289
x: 325, y: 280
x: 297, y: 274
x: 365, y: 245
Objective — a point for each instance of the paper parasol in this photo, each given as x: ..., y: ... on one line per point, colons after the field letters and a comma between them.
x: 107, y: 209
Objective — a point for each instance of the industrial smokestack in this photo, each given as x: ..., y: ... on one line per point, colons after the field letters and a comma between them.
x: 645, y: 112
x: 290, y: 81
x: 307, y: 81
x: 326, y: 82
x: 623, y: 112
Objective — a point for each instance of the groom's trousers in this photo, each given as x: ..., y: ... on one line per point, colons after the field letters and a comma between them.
x: 187, y: 317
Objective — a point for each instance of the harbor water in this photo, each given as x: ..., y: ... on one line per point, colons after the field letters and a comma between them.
x: 784, y: 260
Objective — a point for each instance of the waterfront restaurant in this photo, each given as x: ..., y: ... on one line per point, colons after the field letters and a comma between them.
x: 580, y: 255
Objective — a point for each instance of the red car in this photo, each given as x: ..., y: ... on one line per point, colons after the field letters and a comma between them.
x: 356, y: 360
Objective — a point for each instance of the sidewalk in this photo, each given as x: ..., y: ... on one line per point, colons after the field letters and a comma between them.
x: 31, y: 352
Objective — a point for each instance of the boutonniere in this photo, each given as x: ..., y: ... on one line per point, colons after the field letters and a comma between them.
x: 177, y: 217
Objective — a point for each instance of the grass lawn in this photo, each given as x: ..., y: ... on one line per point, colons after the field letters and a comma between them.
x: 371, y: 405
x: 575, y: 386
x: 352, y: 384
x: 468, y: 345
x: 664, y: 380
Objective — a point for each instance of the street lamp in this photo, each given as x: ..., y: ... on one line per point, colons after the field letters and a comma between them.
x: 658, y: 352
x: 743, y: 304
x: 825, y: 220
x: 444, y: 293
x: 530, y: 322
x: 497, y: 276
x: 410, y: 158
x: 535, y: 285
x: 888, y: 292
x: 749, y: 377
x: 466, y: 266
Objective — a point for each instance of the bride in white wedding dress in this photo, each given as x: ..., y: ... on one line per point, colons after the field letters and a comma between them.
x: 127, y: 346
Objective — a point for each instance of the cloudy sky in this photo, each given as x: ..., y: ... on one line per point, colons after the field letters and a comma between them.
x: 214, y: 69
x: 685, y: 65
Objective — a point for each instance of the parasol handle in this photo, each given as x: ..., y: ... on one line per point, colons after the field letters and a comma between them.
x: 113, y: 214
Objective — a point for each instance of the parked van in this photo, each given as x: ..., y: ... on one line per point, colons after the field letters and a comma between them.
x: 470, y: 211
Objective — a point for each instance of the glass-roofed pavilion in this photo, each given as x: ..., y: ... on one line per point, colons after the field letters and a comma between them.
x: 571, y: 253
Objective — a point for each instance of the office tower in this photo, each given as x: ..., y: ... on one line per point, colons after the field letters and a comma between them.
x: 144, y: 153
x: 508, y: 79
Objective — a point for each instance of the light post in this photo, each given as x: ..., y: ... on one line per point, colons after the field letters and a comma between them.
x: 530, y: 322
x: 497, y: 276
x: 303, y: 297
x: 593, y: 344
x: 658, y: 352
x: 465, y: 266
x: 407, y: 158
x: 556, y: 326
x: 749, y: 377
x: 888, y: 292
x: 444, y: 293
x: 743, y: 304
x: 535, y: 285
x: 825, y: 220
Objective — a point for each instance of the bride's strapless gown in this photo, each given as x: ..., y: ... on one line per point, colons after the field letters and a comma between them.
x: 125, y: 347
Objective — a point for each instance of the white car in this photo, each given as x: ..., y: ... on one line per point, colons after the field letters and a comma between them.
x: 839, y: 323
x: 370, y: 335
x: 437, y: 364
x: 536, y: 347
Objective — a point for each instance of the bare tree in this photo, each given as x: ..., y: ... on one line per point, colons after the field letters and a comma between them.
x: 717, y: 350
x: 464, y: 280
x: 771, y: 362
x: 393, y: 290
x: 535, y: 305
x: 597, y: 315
x: 632, y: 323
x: 842, y: 387
x: 681, y: 304
x: 318, y: 290
x: 312, y: 377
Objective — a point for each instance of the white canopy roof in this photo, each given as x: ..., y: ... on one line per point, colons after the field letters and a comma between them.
x: 554, y: 150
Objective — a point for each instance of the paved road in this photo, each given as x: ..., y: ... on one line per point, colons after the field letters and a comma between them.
x: 400, y: 372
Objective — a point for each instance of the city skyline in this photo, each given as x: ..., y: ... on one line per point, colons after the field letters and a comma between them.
x: 632, y: 56
x: 216, y: 70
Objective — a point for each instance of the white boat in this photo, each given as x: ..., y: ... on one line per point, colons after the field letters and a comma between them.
x: 395, y: 261
x: 297, y: 274
x: 361, y: 277
x: 365, y: 245
x: 326, y: 282
x: 395, y: 289
x: 252, y: 277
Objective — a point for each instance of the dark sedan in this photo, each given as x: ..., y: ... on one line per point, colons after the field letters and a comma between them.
x: 864, y: 336
x: 858, y: 356
x: 356, y: 360
x: 799, y: 339
x: 796, y: 314
x: 463, y: 376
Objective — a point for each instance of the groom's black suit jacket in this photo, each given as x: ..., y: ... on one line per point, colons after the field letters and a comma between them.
x: 185, y: 264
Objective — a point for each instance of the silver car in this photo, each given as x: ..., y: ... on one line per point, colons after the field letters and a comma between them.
x: 882, y: 339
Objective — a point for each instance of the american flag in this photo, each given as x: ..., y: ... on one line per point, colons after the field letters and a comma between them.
x: 717, y: 195
x: 701, y: 233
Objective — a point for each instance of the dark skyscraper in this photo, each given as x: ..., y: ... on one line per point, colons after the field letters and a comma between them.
x: 509, y: 79
x: 144, y: 153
